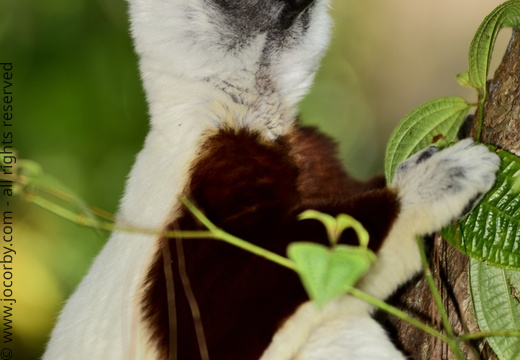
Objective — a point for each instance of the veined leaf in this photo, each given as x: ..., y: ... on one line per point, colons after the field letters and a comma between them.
x: 481, y: 49
x: 496, y: 300
x: 327, y: 273
x: 436, y: 121
x: 516, y: 184
x: 463, y: 79
x: 492, y: 231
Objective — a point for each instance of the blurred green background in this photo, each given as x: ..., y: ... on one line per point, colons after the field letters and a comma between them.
x: 79, y: 111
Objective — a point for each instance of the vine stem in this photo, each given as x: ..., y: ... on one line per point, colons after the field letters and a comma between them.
x: 89, y: 222
x: 213, y: 231
x: 486, y: 334
x: 233, y: 240
x: 399, y: 314
x: 482, y: 94
x: 452, y: 341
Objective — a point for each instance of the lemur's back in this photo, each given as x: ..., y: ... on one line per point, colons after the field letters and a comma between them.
x: 223, y: 79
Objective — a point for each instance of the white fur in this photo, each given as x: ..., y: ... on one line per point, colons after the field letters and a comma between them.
x: 343, y: 330
x: 192, y: 80
x: 177, y: 57
x: 360, y: 337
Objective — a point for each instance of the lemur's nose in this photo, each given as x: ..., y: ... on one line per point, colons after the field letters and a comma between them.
x: 300, y: 5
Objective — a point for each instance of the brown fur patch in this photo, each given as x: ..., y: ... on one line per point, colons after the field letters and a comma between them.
x: 322, y: 177
x: 255, y: 189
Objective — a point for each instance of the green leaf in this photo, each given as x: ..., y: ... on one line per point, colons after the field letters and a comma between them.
x: 328, y: 273
x: 437, y: 121
x: 516, y: 184
x: 496, y: 299
x: 481, y: 49
x: 492, y: 231
x: 463, y: 79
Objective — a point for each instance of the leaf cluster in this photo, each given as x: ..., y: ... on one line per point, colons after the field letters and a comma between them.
x: 490, y: 235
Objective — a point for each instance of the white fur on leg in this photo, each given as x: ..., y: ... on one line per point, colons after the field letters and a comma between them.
x: 361, y: 337
x: 343, y: 329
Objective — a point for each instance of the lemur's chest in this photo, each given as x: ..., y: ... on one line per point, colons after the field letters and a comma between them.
x: 226, y: 300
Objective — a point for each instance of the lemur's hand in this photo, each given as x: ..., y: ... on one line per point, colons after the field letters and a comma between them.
x: 436, y: 187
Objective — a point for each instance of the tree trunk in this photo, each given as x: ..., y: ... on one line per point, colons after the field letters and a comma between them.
x: 502, y: 108
x: 501, y: 127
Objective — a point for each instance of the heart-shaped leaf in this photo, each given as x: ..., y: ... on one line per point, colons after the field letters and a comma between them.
x: 328, y: 273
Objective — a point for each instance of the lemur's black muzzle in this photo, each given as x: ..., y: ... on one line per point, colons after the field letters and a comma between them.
x: 299, y: 5
x: 292, y: 10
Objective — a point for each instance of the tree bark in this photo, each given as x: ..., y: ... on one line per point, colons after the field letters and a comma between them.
x: 501, y: 127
